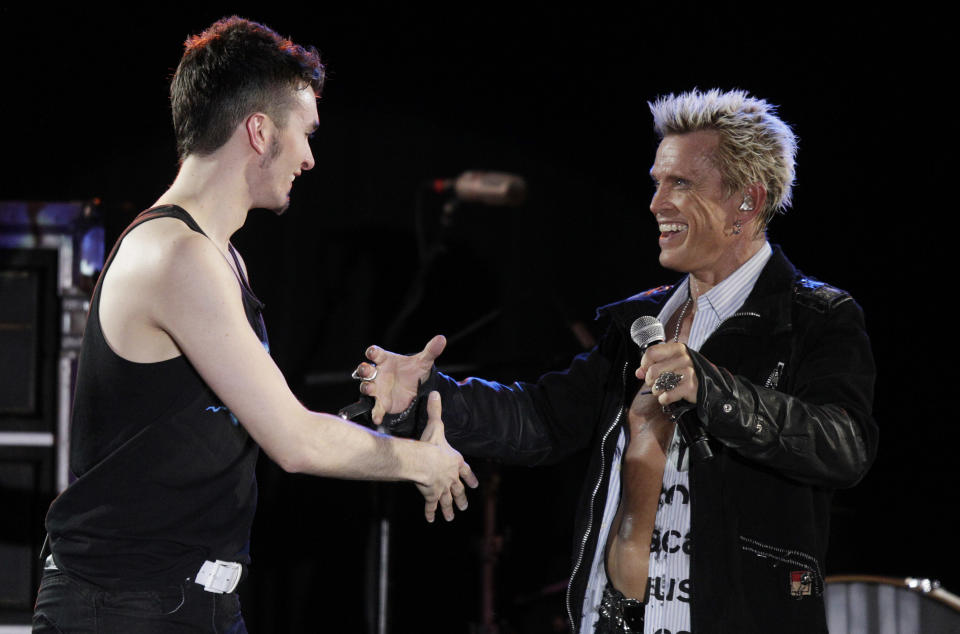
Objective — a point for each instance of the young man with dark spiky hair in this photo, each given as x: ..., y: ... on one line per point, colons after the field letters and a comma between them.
x: 176, y: 390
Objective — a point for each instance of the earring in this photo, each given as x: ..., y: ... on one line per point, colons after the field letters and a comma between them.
x: 747, y: 204
x: 737, y: 227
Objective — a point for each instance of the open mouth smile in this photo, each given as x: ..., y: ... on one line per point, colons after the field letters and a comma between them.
x: 670, y: 231
x: 672, y: 227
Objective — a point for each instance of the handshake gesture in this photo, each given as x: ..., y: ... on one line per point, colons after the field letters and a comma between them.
x: 393, y: 380
x: 445, y: 486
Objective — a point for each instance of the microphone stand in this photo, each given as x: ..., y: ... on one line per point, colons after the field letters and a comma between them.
x: 491, y: 547
x: 378, y: 585
x: 428, y: 255
x: 428, y: 252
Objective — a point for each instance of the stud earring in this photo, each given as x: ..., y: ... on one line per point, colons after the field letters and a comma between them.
x: 737, y: 227
x: 747, y: 204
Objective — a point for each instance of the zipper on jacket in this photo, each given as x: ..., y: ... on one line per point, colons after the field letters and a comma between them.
x: 774, y: 379
x: 593, y: 497
x: 716, y: 331
x: 734, y: 315
x: 786, y: 556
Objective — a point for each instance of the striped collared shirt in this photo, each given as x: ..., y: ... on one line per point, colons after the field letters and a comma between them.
x: 669, y: 576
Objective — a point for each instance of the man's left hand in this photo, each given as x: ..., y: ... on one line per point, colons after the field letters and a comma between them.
x: 661, y: 360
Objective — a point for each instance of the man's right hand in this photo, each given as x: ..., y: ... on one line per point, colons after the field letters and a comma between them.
x: 445, y: 487
x: 396, y: 377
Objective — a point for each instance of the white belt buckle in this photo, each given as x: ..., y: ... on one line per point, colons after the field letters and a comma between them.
x: 219, y: 576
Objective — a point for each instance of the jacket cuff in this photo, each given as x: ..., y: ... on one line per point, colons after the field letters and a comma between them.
x: 410, y: 422
x: 724, y: 406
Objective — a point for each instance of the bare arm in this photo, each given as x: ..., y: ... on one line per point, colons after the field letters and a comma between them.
x: 196, y: 301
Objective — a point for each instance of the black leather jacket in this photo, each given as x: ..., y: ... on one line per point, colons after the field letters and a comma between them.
x: 785, y: 395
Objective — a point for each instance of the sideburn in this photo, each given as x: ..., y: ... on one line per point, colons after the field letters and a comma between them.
x: 272, y: 153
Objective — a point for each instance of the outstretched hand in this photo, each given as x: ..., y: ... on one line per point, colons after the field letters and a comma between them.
x: 392, y: 379
x: 447, y: 487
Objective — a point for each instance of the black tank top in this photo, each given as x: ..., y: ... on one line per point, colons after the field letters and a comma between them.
x: 164, y: 472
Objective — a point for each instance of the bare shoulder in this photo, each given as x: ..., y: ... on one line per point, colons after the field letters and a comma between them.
x: 160, y: 268
x: 153, y: 240
x: 156, y: 258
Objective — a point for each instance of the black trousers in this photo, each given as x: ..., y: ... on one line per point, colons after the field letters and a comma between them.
x: 65, y: 604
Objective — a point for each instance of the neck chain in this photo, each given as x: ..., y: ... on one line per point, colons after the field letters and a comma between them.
x: 683, y: 312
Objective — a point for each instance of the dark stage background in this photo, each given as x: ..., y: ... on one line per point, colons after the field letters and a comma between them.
x: 558, y: 96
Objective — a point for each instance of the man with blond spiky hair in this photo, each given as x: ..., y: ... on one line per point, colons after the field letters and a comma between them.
x: 718, y: 523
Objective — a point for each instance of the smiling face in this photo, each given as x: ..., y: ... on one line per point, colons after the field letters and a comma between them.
x: 289, y: 153
x: 694, y: 214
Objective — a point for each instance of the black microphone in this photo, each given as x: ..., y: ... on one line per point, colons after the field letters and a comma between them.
x: 647, y: 331
x: 358, y: 409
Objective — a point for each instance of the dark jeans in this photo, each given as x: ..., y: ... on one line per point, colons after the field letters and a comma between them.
x: 65, y: 604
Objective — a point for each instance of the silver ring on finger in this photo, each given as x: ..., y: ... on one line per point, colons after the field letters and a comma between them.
x: 364, y: 379
x: 667, y: 381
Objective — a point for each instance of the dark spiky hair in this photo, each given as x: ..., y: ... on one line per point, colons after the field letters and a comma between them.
x: 233, y: 69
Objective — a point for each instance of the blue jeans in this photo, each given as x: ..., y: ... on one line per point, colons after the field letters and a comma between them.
x: 66, y: 604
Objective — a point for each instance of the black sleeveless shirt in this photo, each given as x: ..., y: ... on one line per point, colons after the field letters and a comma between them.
x: 164, y: 472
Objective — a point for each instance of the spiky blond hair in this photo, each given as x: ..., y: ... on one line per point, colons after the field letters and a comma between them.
x: 755, y: 144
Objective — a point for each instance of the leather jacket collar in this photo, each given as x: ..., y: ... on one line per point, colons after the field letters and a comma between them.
x: 766, y: 301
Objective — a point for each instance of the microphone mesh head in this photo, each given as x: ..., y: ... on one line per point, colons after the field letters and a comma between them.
x: 646, y: 330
